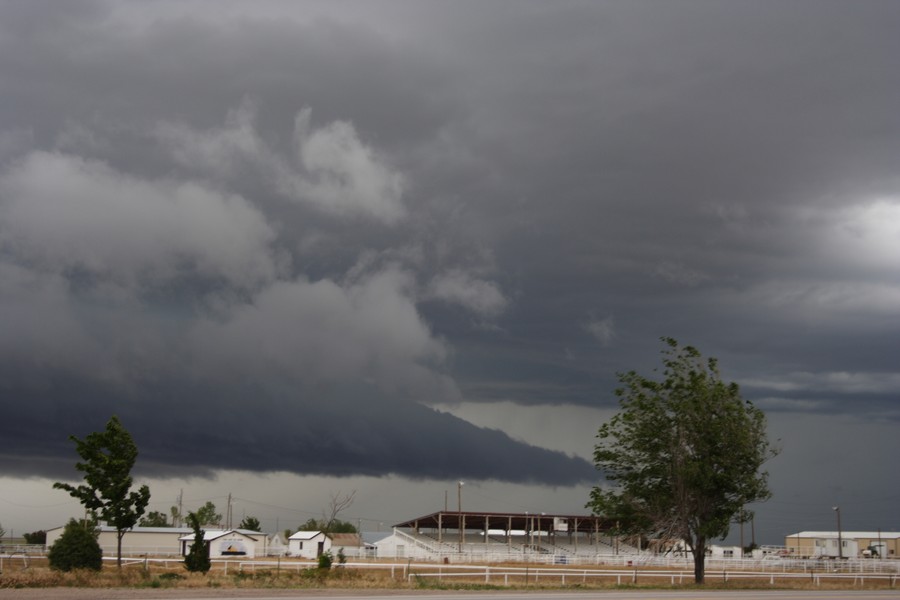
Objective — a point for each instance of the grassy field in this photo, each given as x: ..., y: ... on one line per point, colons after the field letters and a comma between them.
x: 34, y: 573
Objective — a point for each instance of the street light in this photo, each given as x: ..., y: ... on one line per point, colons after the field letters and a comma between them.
x: 837, y: 509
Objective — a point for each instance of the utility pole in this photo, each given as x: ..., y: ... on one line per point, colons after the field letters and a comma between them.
x: 837, y: 509
x: 228, y: 513
x: 753, y: 530
x: 459, y: 516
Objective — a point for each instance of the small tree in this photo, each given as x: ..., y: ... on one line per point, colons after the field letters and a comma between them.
x: 683, y: 455
x: 36, y: 537
x: 338, y: 503
x: 76, y: 548
x: 155, y: 519
x: 325, y: 560
x: 175, y: 512
x: 2, y: 532
x: 197, y: 559
x: 107, y: 459
x: 207, y: 515
x: 250, y: 523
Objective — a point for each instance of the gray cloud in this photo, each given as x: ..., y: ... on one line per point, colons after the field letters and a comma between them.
x: 351, y: 212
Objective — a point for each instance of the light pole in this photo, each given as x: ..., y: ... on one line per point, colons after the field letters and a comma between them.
x: 837, y: 509
x: 459, y: 518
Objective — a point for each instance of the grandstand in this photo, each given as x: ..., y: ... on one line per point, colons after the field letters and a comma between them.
x: 452, y: 536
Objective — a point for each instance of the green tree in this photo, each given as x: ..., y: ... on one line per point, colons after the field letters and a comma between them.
x: 207, y: 515
x: 683, y: 455
x: 175, y: 512
x: 76, y: 548
x: 36, y: 537
x: 250, y: 523
x: 336, y: 526
x: 155, y: 518
x: 2, y: 532
x: 197, y: 559
x: 107, y: 459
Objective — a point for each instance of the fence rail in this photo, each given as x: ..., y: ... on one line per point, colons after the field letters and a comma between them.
x: 571, y: 576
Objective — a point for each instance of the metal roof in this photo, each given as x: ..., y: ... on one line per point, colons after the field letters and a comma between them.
x: 515, y: 521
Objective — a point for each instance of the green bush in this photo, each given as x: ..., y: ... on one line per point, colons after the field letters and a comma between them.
x: 76, y: 548
x: 325, y: 560
x: 197, y: 559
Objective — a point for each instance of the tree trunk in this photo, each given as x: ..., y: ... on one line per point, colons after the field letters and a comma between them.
x: 119, y: 535
x: 699, y: 559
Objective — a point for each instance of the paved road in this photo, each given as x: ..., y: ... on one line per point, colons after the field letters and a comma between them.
x: 231, y: 594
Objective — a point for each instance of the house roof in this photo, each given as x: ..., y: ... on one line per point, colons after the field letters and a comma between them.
x: 349, y: 540
x: 110, y: 529
x: 370, y: 538
x: 307, y: 535
x: 869, y: 535
x: 214, y: 534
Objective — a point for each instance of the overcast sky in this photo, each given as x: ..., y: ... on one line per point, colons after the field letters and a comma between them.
x: 304, y: 248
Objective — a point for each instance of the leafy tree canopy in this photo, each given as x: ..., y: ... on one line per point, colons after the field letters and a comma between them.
x: 207, y: 516
x: 155, y: 519
x: 107, y: 459
x: 251, y: 523
x: 336, y: 526
x: 36, y: 537
x: 76, y: 548
x: 683, y: 455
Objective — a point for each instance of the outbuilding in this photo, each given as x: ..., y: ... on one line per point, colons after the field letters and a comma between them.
x: 843, y: 544
x: 309, y: 544
x: 229, y: 543
x: 138, y: 541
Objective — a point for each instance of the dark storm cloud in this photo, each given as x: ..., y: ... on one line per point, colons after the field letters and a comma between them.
x: 269, y: 236
x: 190, y: 428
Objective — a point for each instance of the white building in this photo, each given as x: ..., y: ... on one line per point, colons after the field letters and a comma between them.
x: 309, y: 544
x: 229, y: 543
x: 276, y: 546
x: 138, y: 541
x: 853, y: 544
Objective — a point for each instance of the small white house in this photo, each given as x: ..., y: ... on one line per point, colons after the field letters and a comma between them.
x: 229, y: 543
x: 309, y: 544
x: 276, y: 546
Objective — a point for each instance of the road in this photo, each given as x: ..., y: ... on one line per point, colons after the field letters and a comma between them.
x: 245, y: 594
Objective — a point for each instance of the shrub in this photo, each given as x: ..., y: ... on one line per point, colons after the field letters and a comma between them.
x: 197, y: 559
x: 325, y: 560
x: 36, y: 537
x: 76, y: 548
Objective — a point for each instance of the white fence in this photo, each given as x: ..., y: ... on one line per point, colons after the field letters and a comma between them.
x: 538, y: 575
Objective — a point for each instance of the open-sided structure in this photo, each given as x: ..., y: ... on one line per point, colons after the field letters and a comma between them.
x: 502, y: 536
